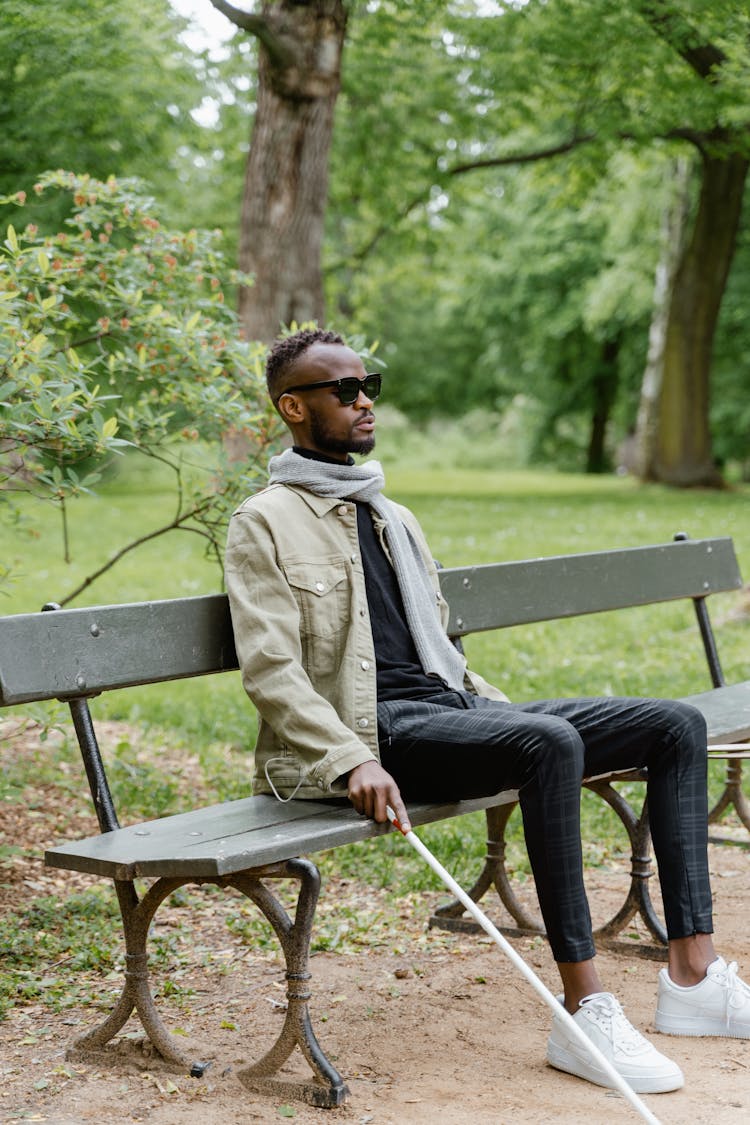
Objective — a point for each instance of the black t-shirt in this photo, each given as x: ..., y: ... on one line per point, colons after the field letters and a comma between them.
x: 399, y: 672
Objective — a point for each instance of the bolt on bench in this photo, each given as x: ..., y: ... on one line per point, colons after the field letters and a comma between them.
x: 247, y: 844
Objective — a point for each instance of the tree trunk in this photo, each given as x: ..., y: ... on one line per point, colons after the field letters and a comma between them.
x: 682, y: 452
x: 604, y: 390
x: 286, y: 181
x: 674, y: 223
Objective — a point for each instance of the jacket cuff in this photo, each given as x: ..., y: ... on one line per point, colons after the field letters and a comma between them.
x: 334, y: 768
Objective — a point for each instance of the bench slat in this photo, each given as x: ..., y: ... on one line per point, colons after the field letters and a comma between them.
x: 69, y: 652
x: 235, y: 836
x: 727, y: 712
x: 493, y: 596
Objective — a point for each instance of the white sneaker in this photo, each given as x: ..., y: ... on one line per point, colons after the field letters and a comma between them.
x: 604, y: 1022
x: 719, y: 1005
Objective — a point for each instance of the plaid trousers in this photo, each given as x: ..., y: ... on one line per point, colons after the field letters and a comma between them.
x: 457, y: 745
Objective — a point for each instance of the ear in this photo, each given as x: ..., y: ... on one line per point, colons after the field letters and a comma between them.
x: 291, y: 409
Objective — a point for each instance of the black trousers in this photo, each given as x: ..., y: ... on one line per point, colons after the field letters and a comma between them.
x: 457, y: 745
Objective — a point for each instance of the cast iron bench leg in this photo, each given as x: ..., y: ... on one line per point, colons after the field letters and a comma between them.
x: 451, y: 916
x: 137, y: 916
x: 732, y: 795
x: 327, y: 1088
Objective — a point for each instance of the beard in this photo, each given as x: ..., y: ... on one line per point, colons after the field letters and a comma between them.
x: 327, y: 442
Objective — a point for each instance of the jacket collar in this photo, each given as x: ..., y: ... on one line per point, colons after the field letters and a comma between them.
x: 320, y: 505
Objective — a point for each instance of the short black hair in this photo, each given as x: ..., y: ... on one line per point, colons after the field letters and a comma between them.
x: 285, y: 352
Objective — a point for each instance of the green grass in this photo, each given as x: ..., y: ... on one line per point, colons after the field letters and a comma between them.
x: 46, y: 947
x: 470, y: 516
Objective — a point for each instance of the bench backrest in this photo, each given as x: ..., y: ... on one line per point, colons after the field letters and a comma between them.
x: 517, y: 593
x: 65, y: 653
x: 72, y: 653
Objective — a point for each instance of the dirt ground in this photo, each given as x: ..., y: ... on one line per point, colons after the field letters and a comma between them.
x: 442, y: 1031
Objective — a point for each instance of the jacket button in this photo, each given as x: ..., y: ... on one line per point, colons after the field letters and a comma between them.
x: 342, y: 510
x: 362, y: 723
x: 320, y: 587
x: 365, y: 665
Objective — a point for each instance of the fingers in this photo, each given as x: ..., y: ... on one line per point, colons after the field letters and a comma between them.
x: 372, y: 790
x: 399, y: 809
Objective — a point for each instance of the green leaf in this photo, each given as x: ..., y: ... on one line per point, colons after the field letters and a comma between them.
x: 36, y: 344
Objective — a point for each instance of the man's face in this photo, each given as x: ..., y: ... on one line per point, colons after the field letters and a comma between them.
x: 321, y: 422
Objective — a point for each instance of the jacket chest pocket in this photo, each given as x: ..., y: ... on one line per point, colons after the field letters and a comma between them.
x: 322, y: 595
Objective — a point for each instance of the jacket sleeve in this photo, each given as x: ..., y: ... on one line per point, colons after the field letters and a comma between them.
x: 266, y: 623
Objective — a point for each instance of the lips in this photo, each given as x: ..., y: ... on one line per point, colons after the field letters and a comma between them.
x: 367, y: 423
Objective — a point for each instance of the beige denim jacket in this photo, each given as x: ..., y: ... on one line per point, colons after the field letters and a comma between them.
x: 296, y: 589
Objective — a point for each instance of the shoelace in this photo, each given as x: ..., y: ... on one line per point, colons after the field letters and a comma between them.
x: 738, y: 993
x: 608, y: 1013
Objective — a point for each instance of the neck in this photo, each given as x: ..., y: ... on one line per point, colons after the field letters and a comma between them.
x: 315, y: 455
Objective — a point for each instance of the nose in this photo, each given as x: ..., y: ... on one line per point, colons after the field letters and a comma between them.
x: 363, y: 400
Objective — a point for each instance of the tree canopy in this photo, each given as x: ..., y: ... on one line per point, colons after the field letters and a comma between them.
x: 527, y: 91
x: 493, y: 206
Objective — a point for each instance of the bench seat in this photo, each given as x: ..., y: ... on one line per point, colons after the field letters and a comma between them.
x: 726, y: 711
x: 254, y: 831
x: 236, y: 836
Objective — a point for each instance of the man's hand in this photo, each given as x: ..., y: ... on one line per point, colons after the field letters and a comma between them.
x: 371, y: 788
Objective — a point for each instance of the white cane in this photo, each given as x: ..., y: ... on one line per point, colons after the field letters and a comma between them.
x: 618, y: 1082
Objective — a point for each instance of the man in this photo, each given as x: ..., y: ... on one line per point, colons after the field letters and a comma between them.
x: 339, y: 625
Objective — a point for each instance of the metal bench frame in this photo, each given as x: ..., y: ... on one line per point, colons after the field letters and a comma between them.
x: 74, y: 655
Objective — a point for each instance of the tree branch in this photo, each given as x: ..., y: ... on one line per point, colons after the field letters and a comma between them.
x: 393, y: 221
x: 679, y: 33
x: 259, y: 27
x: 176, y: 524
x: 523, y: 157
x: 692, y: 136
x: 458, y: 170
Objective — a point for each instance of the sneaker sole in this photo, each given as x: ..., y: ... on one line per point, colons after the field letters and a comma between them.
x: 696, y: 1027
x: 564, y: 1060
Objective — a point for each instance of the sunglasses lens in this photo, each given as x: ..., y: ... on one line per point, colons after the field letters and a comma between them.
x: 349, y: 389
x: 372, y: 385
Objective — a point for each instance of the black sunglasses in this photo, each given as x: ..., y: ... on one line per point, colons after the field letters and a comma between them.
x: 347, y: 389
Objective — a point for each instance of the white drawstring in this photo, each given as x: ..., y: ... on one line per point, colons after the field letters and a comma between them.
x: 276, y: 793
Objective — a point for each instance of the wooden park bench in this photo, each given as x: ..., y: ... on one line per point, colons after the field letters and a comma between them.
x: 248, y: 844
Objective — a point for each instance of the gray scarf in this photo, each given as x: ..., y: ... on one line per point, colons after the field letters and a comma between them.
x: 365, y: 483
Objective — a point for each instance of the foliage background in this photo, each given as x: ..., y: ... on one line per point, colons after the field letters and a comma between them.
x: 495, y: 281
